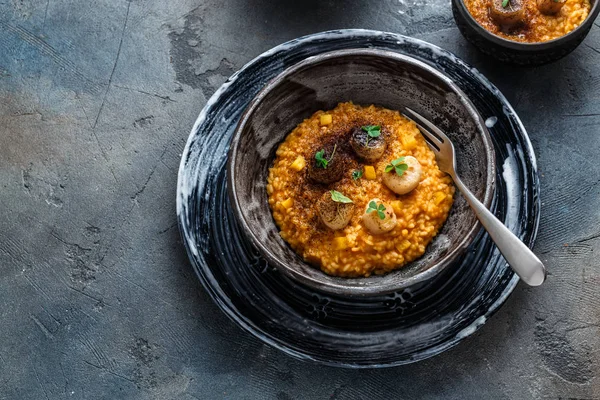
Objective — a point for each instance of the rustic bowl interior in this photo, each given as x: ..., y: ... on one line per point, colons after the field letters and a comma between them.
x: 365, y: 77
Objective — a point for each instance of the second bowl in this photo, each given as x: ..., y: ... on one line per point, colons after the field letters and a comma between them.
x: 521, y: 53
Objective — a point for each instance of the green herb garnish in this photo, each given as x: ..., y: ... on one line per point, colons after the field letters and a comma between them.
x: 373, y: 131
x: 322, y: 162
x: 506, y: 2
x: 338, y: 197
x: 398, y: 165
x: 357, y: 174
x: 374, y: 207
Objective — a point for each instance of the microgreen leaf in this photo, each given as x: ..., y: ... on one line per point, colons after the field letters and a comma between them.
x: 401, y: 169
x: 377, y: 208
x: 506, y: 2
x: 339, y: 198
x: 372, y: 207
x: 373, y: 131
x: 380, y: 211
x: 398, y: 165
x: 321, y: 160
x: 397, y: 161
x: 357, y: 174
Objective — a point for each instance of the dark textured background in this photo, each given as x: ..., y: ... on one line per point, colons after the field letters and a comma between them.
x: 97, y: 298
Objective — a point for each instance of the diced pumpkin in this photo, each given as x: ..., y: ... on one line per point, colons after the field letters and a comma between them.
x: 396, y: 205
x: 408, y: 142
x: 369, y: 172
x: 298, y: 164
x: 403, y: 245
x: 438, y: 197
x: 287, y: 203
x: 325, y: 119
x: 340, y: 243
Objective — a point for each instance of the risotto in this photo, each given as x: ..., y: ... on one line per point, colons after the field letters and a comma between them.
x: 529, y: 20
x: 356, y: 191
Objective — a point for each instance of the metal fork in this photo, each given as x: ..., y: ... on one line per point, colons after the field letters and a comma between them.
x: 521, y: 259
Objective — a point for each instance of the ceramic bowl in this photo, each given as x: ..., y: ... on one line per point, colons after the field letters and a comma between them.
x: 518, y: 53
x: 393, y: 329
x: 364, y: 76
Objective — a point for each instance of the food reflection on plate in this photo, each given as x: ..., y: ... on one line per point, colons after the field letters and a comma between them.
x: 356, y: 191
x: 529, y: 21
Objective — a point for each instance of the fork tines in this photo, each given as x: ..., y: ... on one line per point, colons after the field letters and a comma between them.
x: 432, y: 134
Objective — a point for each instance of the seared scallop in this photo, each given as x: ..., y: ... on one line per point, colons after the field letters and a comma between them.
x: 508, y: 14
x: 550, y: 7
x: 328, y: 164
x: 369, y: 141
x: 335, y: 213
x: 379, y: 217
x: 403, y: 174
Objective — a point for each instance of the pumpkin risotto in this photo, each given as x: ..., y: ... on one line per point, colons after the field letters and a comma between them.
x: 356, y: 191
x: 529, y: 21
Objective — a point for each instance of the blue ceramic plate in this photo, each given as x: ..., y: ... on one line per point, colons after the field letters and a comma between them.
x: 387, y: 330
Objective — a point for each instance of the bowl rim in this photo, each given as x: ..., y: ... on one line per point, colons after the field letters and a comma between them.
x: 333, y: 287
x: 513, y: 44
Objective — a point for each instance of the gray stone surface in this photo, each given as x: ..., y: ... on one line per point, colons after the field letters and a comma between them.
x: 97, y: 298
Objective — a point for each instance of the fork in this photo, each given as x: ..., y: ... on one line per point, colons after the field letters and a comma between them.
x: 520, y: 258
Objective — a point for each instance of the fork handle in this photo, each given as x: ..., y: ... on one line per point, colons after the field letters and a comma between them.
x: 521, y: 259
